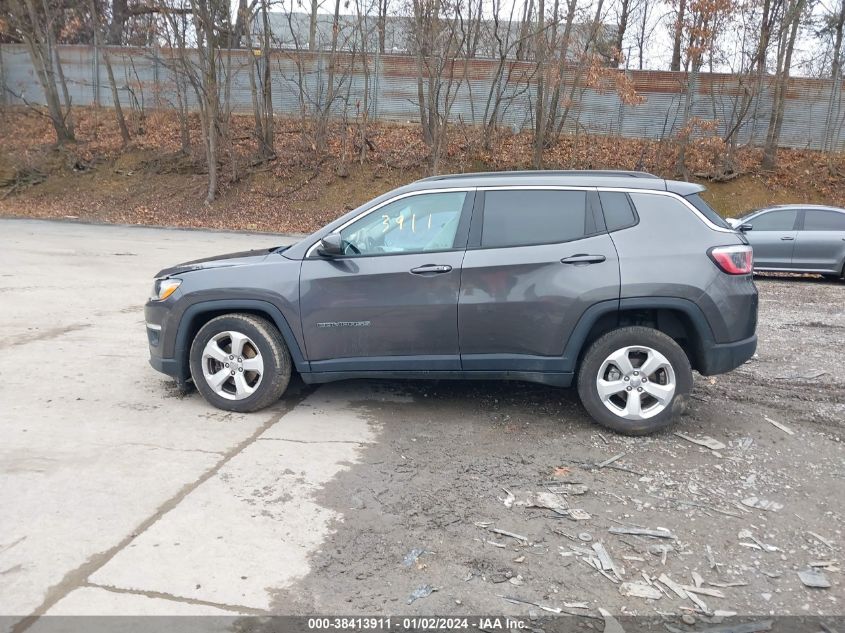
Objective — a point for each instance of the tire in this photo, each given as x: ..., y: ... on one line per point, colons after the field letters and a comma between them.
x: 612, y: 408
x: 250, y: 380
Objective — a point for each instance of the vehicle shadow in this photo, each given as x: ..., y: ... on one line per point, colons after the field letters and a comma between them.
x: 808, y: 278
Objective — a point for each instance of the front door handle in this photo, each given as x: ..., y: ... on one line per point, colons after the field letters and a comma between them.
x: 430, y: 269
x: 582, y: 258
x: 787, y: 238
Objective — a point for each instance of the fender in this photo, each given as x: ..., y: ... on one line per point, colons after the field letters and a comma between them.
x: 575, y: 344
x: 233, y: 305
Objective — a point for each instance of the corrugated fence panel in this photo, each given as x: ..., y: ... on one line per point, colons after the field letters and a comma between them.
x: 154, y: 78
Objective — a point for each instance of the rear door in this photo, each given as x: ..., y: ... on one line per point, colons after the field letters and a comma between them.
x: 773, y: 236
x: 391, y: 302
x: 820, y: 245
x: 537, y: 258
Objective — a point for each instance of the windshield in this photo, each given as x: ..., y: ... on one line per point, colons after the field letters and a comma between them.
x: 708, y: 211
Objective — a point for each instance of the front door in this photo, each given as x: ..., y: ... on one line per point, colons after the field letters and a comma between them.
x: 772, y: 236
x: 390, y: 302
x: 538, y: 262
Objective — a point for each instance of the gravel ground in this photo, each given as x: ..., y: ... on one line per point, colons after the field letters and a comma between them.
x: 459, y: 461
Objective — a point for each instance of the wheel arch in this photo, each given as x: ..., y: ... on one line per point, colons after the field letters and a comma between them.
x: 680, y: 319
x: 198, y: 314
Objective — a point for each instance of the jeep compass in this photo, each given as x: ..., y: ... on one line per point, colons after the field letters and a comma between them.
x: 621, y: 283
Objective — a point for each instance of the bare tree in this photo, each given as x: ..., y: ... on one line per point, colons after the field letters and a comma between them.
x: 118, y: 109
x: 34, y: 25
x: 260, y: 79
x: 787, y: 35
x: 703, y: 21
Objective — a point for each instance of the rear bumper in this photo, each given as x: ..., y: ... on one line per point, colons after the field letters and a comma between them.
x: 719, y: 358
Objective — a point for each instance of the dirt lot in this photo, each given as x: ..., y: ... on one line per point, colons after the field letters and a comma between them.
x: 120, y: 497
x: 437, y: 481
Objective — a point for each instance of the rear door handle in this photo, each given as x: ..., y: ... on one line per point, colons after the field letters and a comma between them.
x: 430, y: 269
x: 582, y: 258
x: 787, y: 238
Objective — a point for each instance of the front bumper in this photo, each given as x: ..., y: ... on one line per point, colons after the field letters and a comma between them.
x: 155, y: 315
x: 167, y: 366
x: 719, y: 358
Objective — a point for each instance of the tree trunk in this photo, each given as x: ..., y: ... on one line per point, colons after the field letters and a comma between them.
x: 792, y: 22
x: 621, y: 28
x: 678, y: 36
x: 540, y: 106
x: 312, y: 26
x: 115, y: 95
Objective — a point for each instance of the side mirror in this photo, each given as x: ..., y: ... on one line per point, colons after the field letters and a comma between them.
x: 331, y: 245
x: 745, y: 227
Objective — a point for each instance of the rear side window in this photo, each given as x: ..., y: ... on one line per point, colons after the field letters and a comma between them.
x: 707, y: 211
x: 618, y: 211
x: 817, y: 220
x: 522, y: 218
x: 783, y: 220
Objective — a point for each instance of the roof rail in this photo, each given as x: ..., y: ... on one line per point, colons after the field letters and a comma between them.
x: 611, y: 173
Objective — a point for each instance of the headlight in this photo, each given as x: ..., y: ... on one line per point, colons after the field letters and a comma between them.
x: 163, y: 288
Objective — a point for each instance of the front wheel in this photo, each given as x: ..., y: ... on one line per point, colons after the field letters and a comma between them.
x: 239, y: 362
x: 634, y: 380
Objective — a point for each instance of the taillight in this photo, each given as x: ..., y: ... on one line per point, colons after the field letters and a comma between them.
x: 734, y: 260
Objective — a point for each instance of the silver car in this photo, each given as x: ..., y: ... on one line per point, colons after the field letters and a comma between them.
x: 797, y: 237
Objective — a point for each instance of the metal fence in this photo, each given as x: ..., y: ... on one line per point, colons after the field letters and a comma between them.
x: 813, y: 116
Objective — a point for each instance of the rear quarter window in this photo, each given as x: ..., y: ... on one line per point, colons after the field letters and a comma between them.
x: 707, y: 211
x: 526, y: 217
x: 618, y: 210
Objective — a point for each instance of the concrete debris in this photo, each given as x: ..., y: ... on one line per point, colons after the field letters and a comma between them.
x: 711, y: 558
x: 821, y: 539
x: 814, y: 578
x: 578, y: 514
x: 569, y: 488
x: 688, y: 619
x: 513, y: 535
x: 608, y: 462
x: 762, y: 504
x: 495, y: 544
x: 611, y: 624
x: 662, y: 550
x: 517, y: 580
x: 756, y: 543
x: 717, y: 583
x: 677, y: 589
x: 423, y: 591
x: 547, y: 501
x: 640, y: 590
x: 508, y: 501
x: 606, y: 561
x: 511, y: 599
x: 697, y: 580
x: 635, y: 531
x: 412, y: 556
x: 698, y: 602
x: 779, y: 425
x: 703, y: 591
x: 706, y: 441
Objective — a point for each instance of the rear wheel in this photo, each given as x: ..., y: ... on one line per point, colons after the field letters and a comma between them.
x: 634, y: 380
x: 239, y: 362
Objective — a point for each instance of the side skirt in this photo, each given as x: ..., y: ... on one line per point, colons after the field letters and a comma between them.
x: 553, y: 379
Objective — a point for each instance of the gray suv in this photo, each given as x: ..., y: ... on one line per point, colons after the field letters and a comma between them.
x: 620, y: 282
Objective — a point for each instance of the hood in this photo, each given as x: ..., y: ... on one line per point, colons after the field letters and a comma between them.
x: 242, y: 258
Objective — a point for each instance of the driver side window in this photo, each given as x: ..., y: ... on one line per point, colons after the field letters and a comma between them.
x: 415, y: 224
